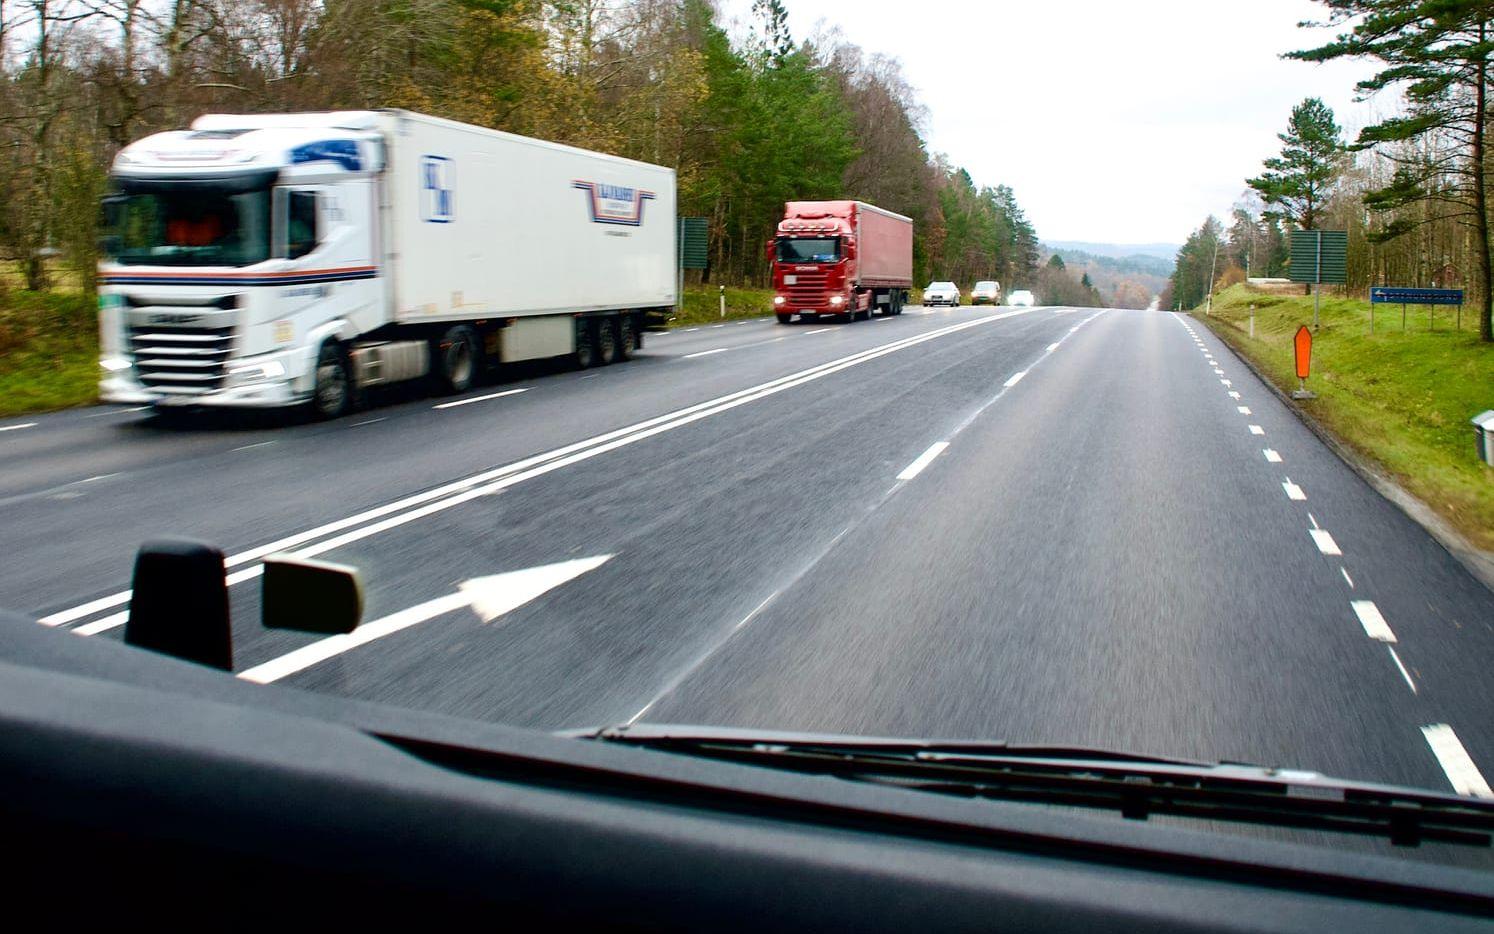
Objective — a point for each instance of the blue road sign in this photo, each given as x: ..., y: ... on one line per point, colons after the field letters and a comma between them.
x: 1383, y: 295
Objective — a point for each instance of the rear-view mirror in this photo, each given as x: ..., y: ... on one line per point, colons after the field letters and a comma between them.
x: 310, y: 596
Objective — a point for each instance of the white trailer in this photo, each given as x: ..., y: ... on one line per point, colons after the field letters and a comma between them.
x: 274, y: 260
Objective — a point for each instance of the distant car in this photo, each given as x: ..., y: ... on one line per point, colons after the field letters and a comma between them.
x: 986, y: 292
x: 941, y: 293
x: 1021, y: 297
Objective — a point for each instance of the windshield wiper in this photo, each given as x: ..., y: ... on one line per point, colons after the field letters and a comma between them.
x: 1135, y: 786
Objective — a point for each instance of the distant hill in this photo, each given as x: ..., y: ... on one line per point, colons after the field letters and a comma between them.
x: 1125, y: 276
x: 1167, y: 251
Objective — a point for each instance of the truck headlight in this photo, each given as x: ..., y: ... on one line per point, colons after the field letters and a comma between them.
x: 270, y: 369
x: 115, y: 364
x: 779, y: 299
x: 837, y: 299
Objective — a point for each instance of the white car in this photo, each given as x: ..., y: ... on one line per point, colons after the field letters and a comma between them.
x: 941, y: 293
x: 1021, y: 297
x: 986, y: 292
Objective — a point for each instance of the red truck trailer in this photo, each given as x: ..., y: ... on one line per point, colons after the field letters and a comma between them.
x: 846, y: 259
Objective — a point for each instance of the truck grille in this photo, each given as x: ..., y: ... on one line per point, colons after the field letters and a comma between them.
x: 808, y: 290
x: 185, y: 360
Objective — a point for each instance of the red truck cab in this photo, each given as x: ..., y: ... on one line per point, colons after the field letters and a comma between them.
x: 845, y: 259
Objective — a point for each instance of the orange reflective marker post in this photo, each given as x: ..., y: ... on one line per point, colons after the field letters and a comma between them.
x: 1303, y: 344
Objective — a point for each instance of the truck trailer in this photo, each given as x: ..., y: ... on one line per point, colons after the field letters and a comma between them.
x: 288, y: 259
x: 843, y: 259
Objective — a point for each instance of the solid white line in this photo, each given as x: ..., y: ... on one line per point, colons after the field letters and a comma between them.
x: 500, y: 478
x: 1345, y: 572
x: 1313, y: 520
x: 706, y: 353
x: 492, y: 395
x: 818, y: 331
x: 923, y: 460
x: 1293, y: 491
x: 1404, y: 673
x: 1054, y: 346
x: 246, y: 447
x: 1324, y: 541
x: 1370, y: 618
x: 371, y: 421
x: 1271, y: 455
x: 1015, y: 379
x: 17, y: 427
x: 1455, y: 761
x: 137, y: 408
x: 1243, y: 409
x: 1257, y: 430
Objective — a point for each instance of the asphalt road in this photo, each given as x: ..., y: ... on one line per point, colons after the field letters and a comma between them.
x: 1039, y: 525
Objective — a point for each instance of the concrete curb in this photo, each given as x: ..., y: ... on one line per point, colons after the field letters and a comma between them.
x: 1478, y: 562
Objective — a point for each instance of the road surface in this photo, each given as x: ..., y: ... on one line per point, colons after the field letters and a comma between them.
x: 1044, y: 525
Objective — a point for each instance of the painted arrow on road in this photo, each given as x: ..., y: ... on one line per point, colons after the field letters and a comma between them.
x: 488, y: 597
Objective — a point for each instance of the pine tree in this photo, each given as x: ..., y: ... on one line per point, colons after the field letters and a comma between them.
x: 1297, y: 182
x: 1438, y: 52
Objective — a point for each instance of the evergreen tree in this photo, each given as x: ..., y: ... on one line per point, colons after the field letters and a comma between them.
x: 1296, y: 183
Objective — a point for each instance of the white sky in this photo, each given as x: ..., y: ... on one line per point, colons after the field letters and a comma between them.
x: 1124, y: 121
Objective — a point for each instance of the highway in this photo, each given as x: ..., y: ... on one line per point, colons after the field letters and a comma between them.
x: 1048, y: 525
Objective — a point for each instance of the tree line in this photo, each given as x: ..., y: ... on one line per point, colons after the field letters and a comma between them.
x: 746, y: 122
x: 1411, y: 191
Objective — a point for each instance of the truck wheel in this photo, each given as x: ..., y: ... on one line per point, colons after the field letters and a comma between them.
x: 606, y: 341
x: 898, y: 298
x: 627, y: 338
x: 332, y: 394
x: 586, y: 345
x: 785, y: 319
x: 457, y: 359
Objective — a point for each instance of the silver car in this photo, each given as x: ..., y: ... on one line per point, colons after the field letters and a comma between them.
x: 1021, y: 297
x: 986, y: 292
x: 941, y: 293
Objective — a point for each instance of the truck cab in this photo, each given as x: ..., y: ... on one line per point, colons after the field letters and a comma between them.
x: 844, y: 259
x: 233, y: 251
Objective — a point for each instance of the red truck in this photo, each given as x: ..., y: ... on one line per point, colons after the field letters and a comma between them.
x: 846, y: 259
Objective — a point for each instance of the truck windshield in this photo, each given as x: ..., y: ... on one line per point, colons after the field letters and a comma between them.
x: 188, y: 224
x: 809, y: 250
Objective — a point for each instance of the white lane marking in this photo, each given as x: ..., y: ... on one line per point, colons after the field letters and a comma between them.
x: 489, y: 597
x: 247, y: 447
x: 923, y: 460
x: 1225, y: 382
x: 691, y: 329
x: 1015, y: 379
x: 1234, y: 395
x: 1373, y: 622
x: 486, y: 398
x: 1293, y: 491
x: 1349, y: 580
x: 1404, y: 673
x: 1218, y: 372
x: 1073, y: 329
x: 1054, y: 346
x: 706, y: 353
x: 818, y: 331
x: 371, y: 421
x: 1313, y: 520
x: 1271, y: 455
x: 882, y: 320
x: 1243, y: 409
x: 1257, y: 430
x: 1455, y: 761
x: 1324, y: 541
x: 500, y: 478
x: 17, y: 427
x: 138, y: 408
x: 714, y: 326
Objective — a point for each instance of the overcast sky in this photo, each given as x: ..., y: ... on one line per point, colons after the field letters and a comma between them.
x: 1124, y: 121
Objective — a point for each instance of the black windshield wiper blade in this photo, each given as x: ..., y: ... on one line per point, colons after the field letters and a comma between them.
x: 1135, y: 786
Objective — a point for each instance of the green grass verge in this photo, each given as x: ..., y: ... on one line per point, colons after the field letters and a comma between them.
x: 703, y: 305
x: 49, y: 351
x: 1403, y: 400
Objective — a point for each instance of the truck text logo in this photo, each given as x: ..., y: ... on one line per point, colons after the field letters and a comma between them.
x: 174, y: 319
x: 614, y: 204
x: 437, y: 188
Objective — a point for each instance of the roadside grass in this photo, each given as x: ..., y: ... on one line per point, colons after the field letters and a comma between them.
x: 1401, y: 399
x: 49, y: 355
x: 703, y: 305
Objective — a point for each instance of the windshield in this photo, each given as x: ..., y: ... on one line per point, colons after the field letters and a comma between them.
x: 188, y: 225
x: 808, y: 249
x: 611, y: 375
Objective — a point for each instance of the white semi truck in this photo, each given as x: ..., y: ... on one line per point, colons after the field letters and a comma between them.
x: 288, y: 259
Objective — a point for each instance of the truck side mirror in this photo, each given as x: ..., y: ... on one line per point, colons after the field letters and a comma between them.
x: 310, y: 596
x: 769, y: 248
x: 179, y: 602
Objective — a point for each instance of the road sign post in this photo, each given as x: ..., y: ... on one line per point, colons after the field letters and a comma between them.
x: 1383, y: 295
x: 1319, y: 256
x: 1302, y: 344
